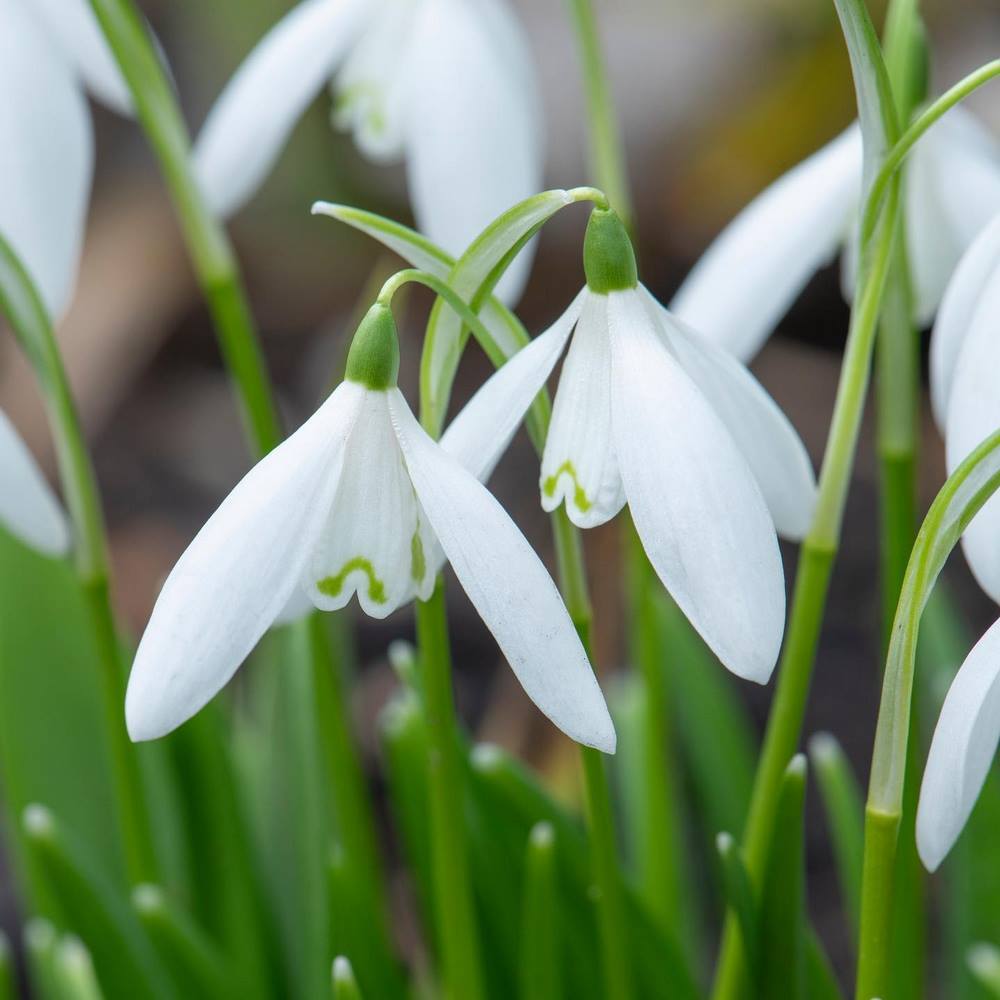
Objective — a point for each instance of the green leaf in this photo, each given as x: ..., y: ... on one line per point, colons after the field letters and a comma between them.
x: 345, y: 986
x: 845, y: 817
x: 8, y: 981
x: 782, y: 900
x: 741, y: 899
x: 539, y: 926
x: 74, y: 971
x: 40, y: 949
x: 821, y: 983
x: 984, y: 964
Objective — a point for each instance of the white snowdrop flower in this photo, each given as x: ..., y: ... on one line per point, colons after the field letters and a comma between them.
x: 756, y: 268
x: 360, y: 500
x: 651, y: 414
x: 51, y: 53
x: 28, y: 509
x: 446, y: 85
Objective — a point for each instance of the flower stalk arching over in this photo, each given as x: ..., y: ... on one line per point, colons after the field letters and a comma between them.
x: 446, y: 85
x: 359, y: 500
x: 756, y: 268
x: 648, y: 413
x: 51, y: 54
x: 28, y: 508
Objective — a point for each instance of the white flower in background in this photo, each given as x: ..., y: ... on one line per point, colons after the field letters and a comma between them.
x: 28, y: 510
x: 359, y: 500
x: 447, y: 85
x: 650, y: 414
x: 51, y: 52
x: 756, y: 268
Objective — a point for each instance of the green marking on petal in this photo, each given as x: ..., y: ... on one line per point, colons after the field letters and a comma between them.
x: 583, y: 504
x: 333, y: 585
x: 418, y: 564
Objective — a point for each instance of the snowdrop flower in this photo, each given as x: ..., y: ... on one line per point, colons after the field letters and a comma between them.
x: 360, y: 500
x: 651, y: 414
x: 446, y: 85
x: 28, y: 510
x: 51, y: 52
x: 756, y: 268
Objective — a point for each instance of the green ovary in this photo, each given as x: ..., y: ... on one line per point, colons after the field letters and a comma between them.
x: 579, y: 495
x: 418, y: 563
x: 333, y: 585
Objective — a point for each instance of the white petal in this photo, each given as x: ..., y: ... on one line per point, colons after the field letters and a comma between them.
x: 480, y: 433
x: 763, y: 434
x: 697, y: 509
x: 28, y: 510
x: 249, y: 124
x: 974, y: 413
x: 753, y: 272
x: 579, y: 466
x: 954, y: 190
x: 473, y: 143
x: 508, y: 586
x: 962, y: 750
x: 958, y: 306
x: 73, y: 26
x: 46, y: 156
x: 370, y: 544
x: 238, y: 574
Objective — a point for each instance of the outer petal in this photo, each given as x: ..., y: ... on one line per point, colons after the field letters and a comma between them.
x: 763, y: 434
x: 480, y: 433
x: 697, y: 509
x: 964, y: 744
x: 238, y: 574
x: 46, y: 156
x: 508, y: 586
x: 973, y: 413
x: 953, y: 191
x: 251, y: 120
x: 980, y: 262
x: 370, y: 544
x: 756, y: 268
x: 71, y: 23
x: 473, y: 142
x: 579, y: 466
x: 27, y: 507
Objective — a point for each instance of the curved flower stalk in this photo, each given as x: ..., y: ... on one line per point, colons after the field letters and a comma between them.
x: 650, y: 414
x: 51, y: 54
x: 446, y: 85
x: 756, y: 268
x: 360, y: 500
x: 28, y: 508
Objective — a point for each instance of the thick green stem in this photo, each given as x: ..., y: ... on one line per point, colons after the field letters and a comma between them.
x: 874, y: 952
x: 457, y: 936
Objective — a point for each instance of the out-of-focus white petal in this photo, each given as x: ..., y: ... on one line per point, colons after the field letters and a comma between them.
x: 28, y: 510
x: 473, y: 146
x: 74, y: 28
x: 749, y: 277
x: 763, y: 434
x: 696, y: 506
x: 250, y: 122
x: 974, y: 413
x: 962, y: 750
x: 508, y: 586
x: 46, y: 156
x: 370, y: 545
x: 961, y: 298
x: 480, y: 433
x: 239, y: 573
x: 579, y: 467
x: 953, y: 186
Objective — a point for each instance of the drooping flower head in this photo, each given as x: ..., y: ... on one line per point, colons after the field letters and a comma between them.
x: 360, y: 500
x: 650, y: 414
x: 446, y: 85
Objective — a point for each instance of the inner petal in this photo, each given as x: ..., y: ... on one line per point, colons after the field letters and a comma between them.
x: 579, y: 467
x: 372, y: 545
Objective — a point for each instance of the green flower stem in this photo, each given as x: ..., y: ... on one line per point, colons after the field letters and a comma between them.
x: 23, y: 308
x: 879, y: 869
x: 606, y: 152
x: 457, y: 936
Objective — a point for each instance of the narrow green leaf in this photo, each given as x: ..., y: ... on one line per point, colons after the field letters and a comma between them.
x: 74, y: 971
x: 821, y: 983
x: 539, y: 927
x: 345, y: 986
x: 40, y: 940
x: 8, y: 975
x: 782, y: 900
x: 845, y: 813
x: 740, y: 898
x: 984, y: 964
